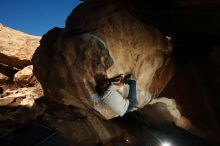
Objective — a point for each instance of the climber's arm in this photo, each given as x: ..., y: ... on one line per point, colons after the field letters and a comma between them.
x: 132, y: 96
x: 115, y: 101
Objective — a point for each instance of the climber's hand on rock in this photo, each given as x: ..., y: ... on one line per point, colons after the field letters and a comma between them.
x: 128, y: 77
x: 117, y: 79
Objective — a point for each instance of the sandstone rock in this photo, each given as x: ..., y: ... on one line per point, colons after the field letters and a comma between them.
x: 21, y: 97
x: 8, y: 71
x: 12, y: 116
x: 3, y: 79
x: 16, y: 48
x: 25, y: 77
x: 92, y: 130
x: 79, y: 130
x: 166, y: 111
x: 107, y: 41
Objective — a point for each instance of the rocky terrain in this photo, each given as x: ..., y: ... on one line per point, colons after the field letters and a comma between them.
x: 68, y: 61
x: 17, y: 47
x: 19, y: 87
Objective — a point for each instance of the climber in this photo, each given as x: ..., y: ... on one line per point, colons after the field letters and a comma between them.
x: 109, y: 92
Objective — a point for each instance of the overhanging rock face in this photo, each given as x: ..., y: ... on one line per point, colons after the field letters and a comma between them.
x: 101, y: 39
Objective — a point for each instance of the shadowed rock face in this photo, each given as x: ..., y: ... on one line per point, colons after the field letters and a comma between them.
x: 68, y: 61
x: 3, y: 78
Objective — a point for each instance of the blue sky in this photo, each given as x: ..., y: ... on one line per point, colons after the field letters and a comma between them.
x: 35, y: 17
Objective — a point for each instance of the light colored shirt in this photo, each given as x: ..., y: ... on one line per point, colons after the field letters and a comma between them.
x: 115, y: 100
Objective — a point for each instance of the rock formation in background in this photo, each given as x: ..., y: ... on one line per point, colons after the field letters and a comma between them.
x: 107, y: 41
x: 25, y: 77
x: 21, y: 96
x: 20, y: 86
x: 16, y: 48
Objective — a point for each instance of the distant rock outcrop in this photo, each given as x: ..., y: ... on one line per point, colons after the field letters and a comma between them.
x: 107, y: 41
x: 19, y: 89
x: 16, y: 48
x: 16, y: 77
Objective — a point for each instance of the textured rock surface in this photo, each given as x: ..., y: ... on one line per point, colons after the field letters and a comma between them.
x: 8, y: 71
x: 78, y: 129
x: 25, y: 77
x: 67, y: 63
x: 16, y: 48
x: 21, y: 96
x: 3, y: 79
x: 195, y: 85
x: 163, y: 111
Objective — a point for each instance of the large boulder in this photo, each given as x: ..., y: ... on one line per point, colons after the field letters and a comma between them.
x: 16, y: 48
x: 107, y: 41
x: 25, y: 77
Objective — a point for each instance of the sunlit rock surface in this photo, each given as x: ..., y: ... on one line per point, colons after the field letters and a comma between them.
x: 68, y: 61
x: 25, y: 77
x: 20, y: 87
x: 16, y: 48
x: 21, y: 96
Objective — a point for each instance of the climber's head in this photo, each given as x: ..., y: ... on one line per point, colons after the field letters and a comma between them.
x: 117, y: 79
x: 102, y: 84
